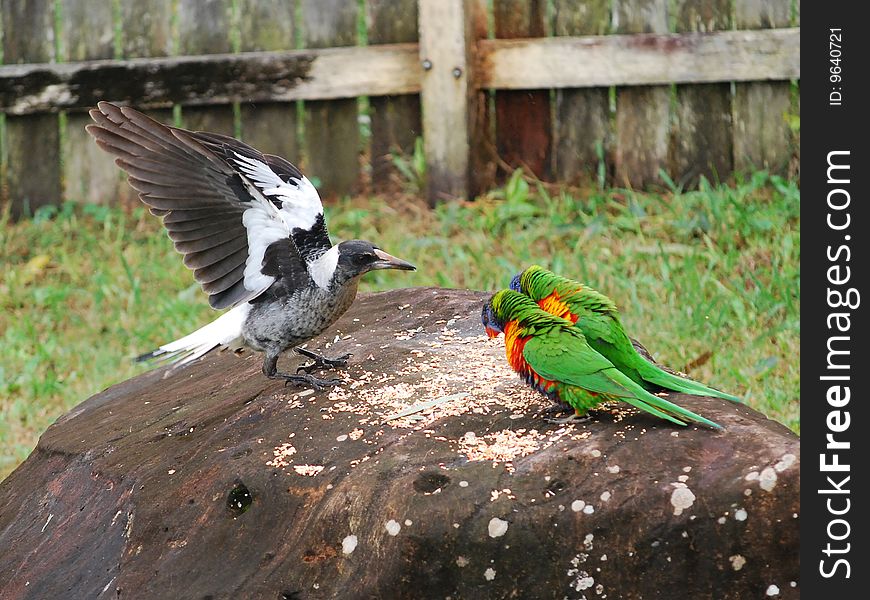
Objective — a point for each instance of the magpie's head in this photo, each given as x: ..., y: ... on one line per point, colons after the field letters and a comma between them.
x: 356, y: 257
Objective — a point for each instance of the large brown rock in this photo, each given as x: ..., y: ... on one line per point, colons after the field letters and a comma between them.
x: 214, y: 482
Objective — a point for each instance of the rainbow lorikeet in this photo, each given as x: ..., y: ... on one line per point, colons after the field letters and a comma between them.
x: 597, y: 317
x: 553, y: 357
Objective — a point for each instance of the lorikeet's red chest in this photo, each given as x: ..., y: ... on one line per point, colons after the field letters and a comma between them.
x: 553, y: 304
x: 513, y: 345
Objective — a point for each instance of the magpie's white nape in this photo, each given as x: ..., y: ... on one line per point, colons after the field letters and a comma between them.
x: 250, y: 226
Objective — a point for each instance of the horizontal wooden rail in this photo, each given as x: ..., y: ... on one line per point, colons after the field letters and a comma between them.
x: 212, y: 78
x: 640, y: 59
x: 394, y: 69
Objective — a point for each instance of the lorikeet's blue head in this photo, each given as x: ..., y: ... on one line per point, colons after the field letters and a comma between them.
x: 515, y: 283
x: 489, y: 320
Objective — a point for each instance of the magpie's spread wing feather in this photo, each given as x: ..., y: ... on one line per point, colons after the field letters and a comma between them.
x: 228, y: 210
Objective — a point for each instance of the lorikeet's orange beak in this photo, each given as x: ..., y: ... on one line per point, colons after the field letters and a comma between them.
x: 492, y: 333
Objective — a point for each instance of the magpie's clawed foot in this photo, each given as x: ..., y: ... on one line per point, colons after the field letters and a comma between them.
x: 310, y: 380
x: 321, y: 362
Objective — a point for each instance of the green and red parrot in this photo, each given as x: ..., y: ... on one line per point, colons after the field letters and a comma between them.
x: 554, y: 358
x: 596, y: 316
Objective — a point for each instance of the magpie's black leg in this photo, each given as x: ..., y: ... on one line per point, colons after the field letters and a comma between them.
x: 270, y: 369
x: 321, y: 362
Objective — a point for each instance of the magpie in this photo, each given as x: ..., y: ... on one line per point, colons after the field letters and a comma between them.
x: 251, y: 228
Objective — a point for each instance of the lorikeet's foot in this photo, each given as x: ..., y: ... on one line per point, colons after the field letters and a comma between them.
x: 572, y: 419
x: 558, y: 408
x: 315, y: 382
x: 321, y: 362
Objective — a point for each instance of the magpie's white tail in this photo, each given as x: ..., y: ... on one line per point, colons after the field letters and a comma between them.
x: 223, y: 331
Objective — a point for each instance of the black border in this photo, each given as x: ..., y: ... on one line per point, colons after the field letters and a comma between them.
x: 826, y: 128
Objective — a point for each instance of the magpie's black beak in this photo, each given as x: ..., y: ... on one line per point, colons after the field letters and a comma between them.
x: 388, y: 261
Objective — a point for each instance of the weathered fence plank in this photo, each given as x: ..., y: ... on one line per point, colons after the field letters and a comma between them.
x: 701, y: 143
x: 146, y: 28
x: 641, y: 112
x: 213, y: 79
x: 269, y: 126
x: 396, y: 120
x: 523, y: 123
x: 146, y: 31
x: 33, y: 174
x: 640, y: 59
x: 332, y: 140
x: 582, y: 115
x: 204, y: 28
x: 761, y: 133
x: 454, y: 117
x: 89, y: 174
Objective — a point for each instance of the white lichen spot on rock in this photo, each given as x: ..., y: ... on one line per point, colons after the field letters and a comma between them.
x: 772, y: 590
x: 308, y: 470
x: 595, y: 452
x: 588, y: 509
x: 577, y: 505
x: 785, y: 462
x: 408, y: 522
x: 613, y: 469
x: 721, y: 520
x: 767, y: 479
x: 751, y: 476
x: 605, y: 496
x: 348, y: 544
x: 681, y: 499
x: 463, y: 483
x: 737, y: 561
x: 393, y: 527
x: 489, y: 574
x: 497, y: 527
x: 461, y: 561
x: 584, y: 582
x: 740, y: 514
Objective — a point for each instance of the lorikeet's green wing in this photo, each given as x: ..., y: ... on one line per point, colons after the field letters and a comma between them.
x: 563, y: 355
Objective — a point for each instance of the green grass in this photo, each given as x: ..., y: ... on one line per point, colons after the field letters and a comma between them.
x: 711, y: 273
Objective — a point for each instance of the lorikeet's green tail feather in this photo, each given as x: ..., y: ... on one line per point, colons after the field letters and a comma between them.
x: 666, y: 380
x: 656, y: 405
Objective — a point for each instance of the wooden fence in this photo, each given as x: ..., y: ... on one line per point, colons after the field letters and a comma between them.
x: 564, y: 88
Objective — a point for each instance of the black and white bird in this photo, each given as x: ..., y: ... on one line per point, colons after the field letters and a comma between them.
x: 251, y: 227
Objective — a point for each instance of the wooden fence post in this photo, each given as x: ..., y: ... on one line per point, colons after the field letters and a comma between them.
x: 454, y: 118
x: 641, y: 111
x: 702, y: 139
x: 33, y: 175
x: 582, y: 115
x: 89, y: 173
x: 395, y: 119
x: 761, y: 134
x: 204, y: 28
x: 522, y: 117
x: 332, y: 141
x: 269, y: 126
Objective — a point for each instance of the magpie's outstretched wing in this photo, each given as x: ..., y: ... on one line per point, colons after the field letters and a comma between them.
x: 234, y: 213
